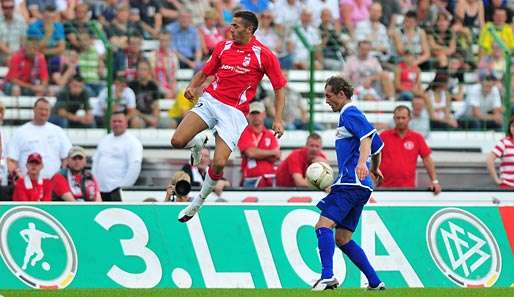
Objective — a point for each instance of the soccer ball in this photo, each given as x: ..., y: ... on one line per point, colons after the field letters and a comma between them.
x: 319, y: 175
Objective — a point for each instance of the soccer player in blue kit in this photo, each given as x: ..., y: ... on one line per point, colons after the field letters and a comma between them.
x: 356, y: 140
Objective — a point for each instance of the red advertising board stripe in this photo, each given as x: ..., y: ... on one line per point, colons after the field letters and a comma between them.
x: 507, y: 214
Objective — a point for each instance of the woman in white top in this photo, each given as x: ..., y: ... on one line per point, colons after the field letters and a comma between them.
x: 438, y: 101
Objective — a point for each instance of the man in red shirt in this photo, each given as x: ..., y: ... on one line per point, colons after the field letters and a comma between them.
x: 28, y: 72
x: 291, y: 172
x: 32, y: 187
x: 237, y: 66
x: 74, y: 183
x: 259, y: 150
x: 402, y: 147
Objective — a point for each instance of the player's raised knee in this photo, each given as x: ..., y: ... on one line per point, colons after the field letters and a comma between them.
x: 342, y: 240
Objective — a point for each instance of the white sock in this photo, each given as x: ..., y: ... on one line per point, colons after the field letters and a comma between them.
x: 207, y: 186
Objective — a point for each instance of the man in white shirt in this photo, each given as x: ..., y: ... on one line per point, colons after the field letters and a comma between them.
x: 117, y: 160
x: 38, y: 136
x: 374, y: 31
x: 483, y: 109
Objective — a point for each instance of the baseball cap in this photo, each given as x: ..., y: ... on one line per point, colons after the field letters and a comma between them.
x: 257, y: 106
x: 77, y: 151
x: 35, y: 158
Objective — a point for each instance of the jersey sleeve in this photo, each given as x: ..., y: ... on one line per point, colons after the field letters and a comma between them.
x: 357, y: 124
x: 499, y: 148
x: 214, y: 61
x: 244, y: 142
x: 273, y: 71
x: 424, y: 149
x: 376, y: 144
x: 60, y: 185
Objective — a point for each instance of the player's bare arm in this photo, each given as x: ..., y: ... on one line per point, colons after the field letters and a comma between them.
x: 196, y: 82
x: 376, y: 174
x: 280, y: 99
x: 364, y: 151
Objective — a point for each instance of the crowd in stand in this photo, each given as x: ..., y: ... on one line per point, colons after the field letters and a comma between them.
x: 53, y: 48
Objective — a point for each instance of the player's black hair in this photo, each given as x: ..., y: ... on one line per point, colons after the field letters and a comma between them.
x: 404, y: 107
x: 338, y: 84
x: 41, y: 99
x: 249, y: 19
x: 411, y: 14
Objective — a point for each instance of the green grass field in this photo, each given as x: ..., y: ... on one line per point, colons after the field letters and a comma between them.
x: 258, y: 292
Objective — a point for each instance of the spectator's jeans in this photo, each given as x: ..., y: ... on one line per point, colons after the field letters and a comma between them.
x: 64, y: 123
x: 8, y: 90
x: 470, y: 123
x: 113, y: 196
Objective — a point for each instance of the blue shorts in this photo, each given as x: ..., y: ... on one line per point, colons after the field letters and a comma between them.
x: 344, y: 206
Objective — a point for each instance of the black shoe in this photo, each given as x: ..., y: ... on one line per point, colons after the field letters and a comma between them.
x: 325, y: 284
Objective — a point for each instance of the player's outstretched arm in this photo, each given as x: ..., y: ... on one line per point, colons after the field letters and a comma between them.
x: 280, y: 100
x: 364, y: 152
x: 196, y: 82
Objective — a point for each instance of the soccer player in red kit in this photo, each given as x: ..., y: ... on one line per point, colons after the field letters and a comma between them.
x: 237, y: 67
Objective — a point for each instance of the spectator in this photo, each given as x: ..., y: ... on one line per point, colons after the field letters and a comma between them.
x: 12, y: 31
x: 412, y: 37
x: 442, y: 41
x: 295, y: 115
x: 34, y: 9
x: 289, y: 15
x: 197, y: 173
x: 259, y: 150
x: 420, y: 120
x: 464, y: 43
x: 123, y: 100
x: 178, y: 110
x: 375, y: 32
x: 147, y: 112
x: 169, y: 10
x: 408, y: 78
x: 456, y: 77
x: 353, y: 12
x: 504, y: 150
x: 173, y: 193
x: 38, y: 136
x: 275, y: 39
x: 366, y: 92
x: 131, y: 58
x: 91, y: 64
x: 494, y: 63
x: 150, y: 16
x: 28, y: 72
x: 117, y: 160
x: 391, y: 9
x: 471, y: 12
x: 185, y: 41
x: 255, y: 6
x: 291, y: 171
x: 33, y: 186
x: 211, y: 32
x: 75, y: 183
x: 402, y: 146
x: 198, y: 8
x: 490, y: 7
x: 67, y: 69
x: 332, y: 45
x: 483, y: 105
x: 439, y: 103
x: 72, y: 109
x: 486, y: 40
x: 81, y: 23
x: 164, y: 63
x: 363, y: 67
x: 318, y: 6
x: 50, y: 32
x: 300, y: 52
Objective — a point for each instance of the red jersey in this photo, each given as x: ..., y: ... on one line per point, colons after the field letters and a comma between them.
x: 265, y: 140
x: 27, y: 70
x: 408, y: 76
x: 33, y: 190
x: 400, y: 156
x: 238, y: 69
x: 504, y: 150
x: 296, y: 162
x: 61, y: 185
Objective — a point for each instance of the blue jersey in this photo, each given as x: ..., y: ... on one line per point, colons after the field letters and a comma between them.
x: 351, y: 129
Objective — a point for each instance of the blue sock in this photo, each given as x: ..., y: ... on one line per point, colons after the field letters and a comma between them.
x: 358, y: 257
x: 326, y: 246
